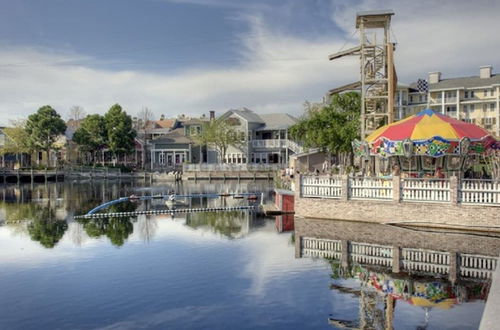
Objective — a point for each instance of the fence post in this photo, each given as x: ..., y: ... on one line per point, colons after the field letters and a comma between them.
x: 454, y: 190
x: 344, y: 258
x: 298, y: 185
x: 454, y: 267
x: 396, y: 189
x: 396, y: 259
x: 344, y: 192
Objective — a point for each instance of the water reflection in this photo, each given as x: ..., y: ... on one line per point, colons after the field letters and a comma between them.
x: 384, y: 266
x: 46, y: 212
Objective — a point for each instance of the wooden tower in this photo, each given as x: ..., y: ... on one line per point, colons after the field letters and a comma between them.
x: 378, y: 76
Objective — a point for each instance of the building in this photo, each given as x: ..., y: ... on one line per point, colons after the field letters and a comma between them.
x: 472, y: 99
x: 265, y: 138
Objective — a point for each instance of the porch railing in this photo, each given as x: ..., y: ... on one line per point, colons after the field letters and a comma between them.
x: 232, y: 167
x: 321, y: 186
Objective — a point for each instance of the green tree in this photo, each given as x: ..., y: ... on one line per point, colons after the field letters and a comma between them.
x: 91, y: 136
x: 16, y: 141
x: 219, y: 134
x: 333, y: 127
x: 43, y: 128
x: 120, y: 131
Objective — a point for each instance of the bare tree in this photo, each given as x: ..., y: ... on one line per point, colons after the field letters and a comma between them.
x: 76, y: 113
x: 144, y: 117
x: 147, y: 228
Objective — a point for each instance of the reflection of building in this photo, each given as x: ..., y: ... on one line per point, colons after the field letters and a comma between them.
x: 425, y: 269
x: 233, y: 224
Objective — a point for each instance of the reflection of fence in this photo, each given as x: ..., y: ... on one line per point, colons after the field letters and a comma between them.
x: 321, y: 186
x: 475, y: 266
x: 408, y: 259
x: 370, y: 188
x: 476, y: 192
x: 428, y: 190
x: 426, y: 261
x: 480, y: 192
x: 326, y: 248
x: 372, y: 254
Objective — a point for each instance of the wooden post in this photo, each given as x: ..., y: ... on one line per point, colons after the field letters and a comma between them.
x: 396, y: 259
x: 396, y: 189
x: 454, y: 190
x: 454, y: 268
x: 344, y: 193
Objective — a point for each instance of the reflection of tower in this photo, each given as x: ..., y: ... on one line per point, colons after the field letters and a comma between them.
x: 378, y: 76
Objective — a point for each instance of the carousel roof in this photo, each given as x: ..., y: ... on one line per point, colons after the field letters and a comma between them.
x: 426, y: 125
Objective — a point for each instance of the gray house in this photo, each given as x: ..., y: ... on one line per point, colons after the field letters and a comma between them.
x: 174, y: 149
x: 266, y: 139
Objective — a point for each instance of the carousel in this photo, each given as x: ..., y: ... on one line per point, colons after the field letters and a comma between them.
x: 425, y: 143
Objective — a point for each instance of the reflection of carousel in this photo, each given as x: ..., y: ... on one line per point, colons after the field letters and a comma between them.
x: 427, y: 141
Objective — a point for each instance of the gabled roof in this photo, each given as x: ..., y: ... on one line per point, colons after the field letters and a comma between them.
x: 247, y: 114
x: 277, y: 121
x: 175, y: 136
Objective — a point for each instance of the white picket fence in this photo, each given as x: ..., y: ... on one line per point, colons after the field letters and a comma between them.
x: 321, y: 186
x: 485, y: 192
x: 477, y: 192
x: 370, y: 188
x: 425, y: 260
x: 321, y: 248
x: 373, y: 254
x: 426, y: 190
x: 475, y: 266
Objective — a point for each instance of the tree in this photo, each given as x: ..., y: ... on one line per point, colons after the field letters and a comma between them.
x: 120, y: 132
x: 144, y: 117
x: 43, y: 128
x: 219, y: 134
x: 45, y: 228
x: 333, y: 127
x: 16, y: 140
x: 76, y: 113
x: 91, y: 136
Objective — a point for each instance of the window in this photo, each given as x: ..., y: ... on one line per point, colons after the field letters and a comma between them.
x: 485, y: 107
x: 471, y: 94
x: 466, y: 94
x: 421, y: 98
x: 485, y: 92
x: 492, y: 106
x: 492, y: 92
x: 161, y: 158
x: 411, y: 99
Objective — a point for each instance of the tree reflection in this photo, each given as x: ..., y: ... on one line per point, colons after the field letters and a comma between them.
x: 230, y: 224
x: 117, y: 229
x: 44, y: 228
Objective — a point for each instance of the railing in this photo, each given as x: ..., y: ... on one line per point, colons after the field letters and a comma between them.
x: 232, y: 167
x: 321, y: 186
x: 475, y: 266
x: 426, y: 190
x: 370, y: 188
x: 278, y: 143
x: 274, y: 143
x: 318, y: 247
x: 472, y: 192
x: 480, y: 192
x: 372, y: 254
x: 425, y: 261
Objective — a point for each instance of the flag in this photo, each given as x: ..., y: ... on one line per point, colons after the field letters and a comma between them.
x: 422, y: 86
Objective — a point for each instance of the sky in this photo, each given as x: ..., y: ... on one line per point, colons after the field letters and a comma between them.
x: 192, y: 56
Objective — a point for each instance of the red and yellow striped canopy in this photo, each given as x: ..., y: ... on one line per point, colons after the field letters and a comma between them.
x: 426, y: 125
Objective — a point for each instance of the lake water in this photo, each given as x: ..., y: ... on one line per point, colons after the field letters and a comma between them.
x: 211, y: 270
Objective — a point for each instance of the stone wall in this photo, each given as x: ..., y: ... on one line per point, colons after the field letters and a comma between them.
x: 448, y: 214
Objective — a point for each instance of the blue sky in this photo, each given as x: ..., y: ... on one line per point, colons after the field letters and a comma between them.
x: 192, y: 56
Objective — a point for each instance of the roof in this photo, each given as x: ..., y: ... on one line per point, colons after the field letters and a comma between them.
x: 465, y: 82
x: 276, y: 121
x: 166, y: 123
x: 373, y: 18
x: 248, y: 115
x: 196, y: 121
x: 175, y: 136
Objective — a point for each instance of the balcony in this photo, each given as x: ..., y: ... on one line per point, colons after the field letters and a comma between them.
x: 269, y: 144
x: 278, y: 144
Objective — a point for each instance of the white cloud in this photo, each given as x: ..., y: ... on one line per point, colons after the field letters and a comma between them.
x: 278, y: 72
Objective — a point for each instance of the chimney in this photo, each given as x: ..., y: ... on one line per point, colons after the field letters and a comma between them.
x: 212, y: 114
x: 434, y: 77
x: 485, y: 71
